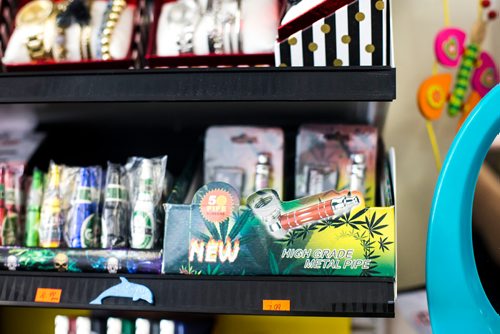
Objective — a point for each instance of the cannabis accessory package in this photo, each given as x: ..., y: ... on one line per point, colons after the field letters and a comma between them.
x: 11, y: 203
x: 336, y: 157
x: 147, y: 185
x: 72, y: 212
x: 331, y: 233
x: 116, y: 209
x: 248, y: 158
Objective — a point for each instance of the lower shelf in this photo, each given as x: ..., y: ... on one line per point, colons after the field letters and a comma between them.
x: 307, y: 296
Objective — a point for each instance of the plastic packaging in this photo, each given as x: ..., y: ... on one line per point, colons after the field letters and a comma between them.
x: 10, y: 224
x: 33, y: 211
x: 3, y: 211
x: 247, y: 158
x: 51, y: 218
x: 116, y: 210
x: 147, y: 187
x: 336, y: 157
x: 83, y: 217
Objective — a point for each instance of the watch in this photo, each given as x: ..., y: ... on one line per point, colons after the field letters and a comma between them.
x: 34, y: 13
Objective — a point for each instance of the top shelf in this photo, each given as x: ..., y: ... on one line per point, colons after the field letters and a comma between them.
x: 207, y: 84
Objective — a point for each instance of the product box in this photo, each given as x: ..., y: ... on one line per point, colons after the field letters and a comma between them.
x: 80, y: 260
x: 336, y: 33
x: 248, y: 158
x: 331, y: 233
x: 16, y: 57
x: 336, y: 157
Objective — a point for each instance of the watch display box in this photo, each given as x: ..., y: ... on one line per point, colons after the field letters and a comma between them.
x: 131, y: 59
x: 210, y: 59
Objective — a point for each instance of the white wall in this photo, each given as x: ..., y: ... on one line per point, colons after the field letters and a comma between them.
x: 415, y: 24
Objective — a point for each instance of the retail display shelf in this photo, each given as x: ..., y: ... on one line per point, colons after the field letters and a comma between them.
x: 202, y: 84
x: 275, y: 295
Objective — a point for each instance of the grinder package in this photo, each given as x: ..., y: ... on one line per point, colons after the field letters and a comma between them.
x: 34, y: 205
x: 116, y: 209
x: 247, y: 158
x: 336, y: 157
x: 83, y: 217
x: 51, y: 216
x: 147, y: 183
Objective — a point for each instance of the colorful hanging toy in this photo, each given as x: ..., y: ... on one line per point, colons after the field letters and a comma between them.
x: 476, y: 75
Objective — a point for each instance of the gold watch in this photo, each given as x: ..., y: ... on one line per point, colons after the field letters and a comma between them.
x: 34, y: 13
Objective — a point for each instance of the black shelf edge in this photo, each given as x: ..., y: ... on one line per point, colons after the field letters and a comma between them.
x: 208, y: 84
x: 308, y: 296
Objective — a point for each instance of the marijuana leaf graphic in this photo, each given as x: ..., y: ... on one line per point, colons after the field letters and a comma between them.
x: 189, y: 270
x: 348, y: 220
x: 383, y: 243
x: 289, y: 238
x: 373, y: 225
x: 370, y: 271
x: 367, y: 244
x: 304, y: 231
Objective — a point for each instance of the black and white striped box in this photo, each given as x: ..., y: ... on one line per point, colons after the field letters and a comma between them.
x: 358, y: 34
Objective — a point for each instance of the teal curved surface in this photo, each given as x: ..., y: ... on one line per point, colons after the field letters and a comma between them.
x: 457, y: 301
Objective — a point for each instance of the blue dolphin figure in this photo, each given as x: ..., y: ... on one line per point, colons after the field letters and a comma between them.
x: 126, y: 290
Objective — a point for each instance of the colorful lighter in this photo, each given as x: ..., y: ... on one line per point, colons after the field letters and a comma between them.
x: 82, y: 233
x: 34, y: 207
x: 51, y: 219
x: 3, y: 211
x: 143, y: 216
x: 267, y: 207
x: 11, y: 220
x: 116, y: 210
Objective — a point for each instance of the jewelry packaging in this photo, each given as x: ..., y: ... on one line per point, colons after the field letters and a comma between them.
x: 74, y: 44
x: 213, y: 33
x: 336, y: 33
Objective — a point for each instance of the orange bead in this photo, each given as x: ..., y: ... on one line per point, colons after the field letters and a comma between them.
x: 433, y: 95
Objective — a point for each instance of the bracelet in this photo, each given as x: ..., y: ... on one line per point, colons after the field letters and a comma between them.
x: 227, y: 25
x: 111, y: 17
x: 74, y: 10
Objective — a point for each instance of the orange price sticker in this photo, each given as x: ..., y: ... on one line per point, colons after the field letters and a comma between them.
x: 45, y: 295
x: 275, y: 305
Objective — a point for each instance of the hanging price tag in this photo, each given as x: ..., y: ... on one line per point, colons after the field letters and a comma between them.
x: 45, y: 295
x: 275, y: 305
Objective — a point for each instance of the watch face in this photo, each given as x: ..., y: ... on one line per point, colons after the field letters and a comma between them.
x: 35, y: 12
x: 185, y: 13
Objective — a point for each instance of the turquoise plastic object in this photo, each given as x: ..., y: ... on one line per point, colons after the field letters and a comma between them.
x: 126, y: 289
x: 457, y: 301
